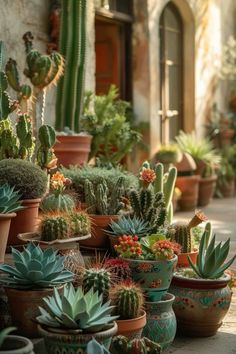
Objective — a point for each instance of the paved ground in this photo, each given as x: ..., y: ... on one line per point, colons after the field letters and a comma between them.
x: 222, y: 213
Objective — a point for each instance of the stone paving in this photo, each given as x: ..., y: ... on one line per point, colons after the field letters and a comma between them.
x: 222, y: 214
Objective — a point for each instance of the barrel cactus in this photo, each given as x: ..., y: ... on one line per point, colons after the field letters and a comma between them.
x: 98, y: 278
x: 119, y: 267
x: 55, y: 227
x: 80, y: 223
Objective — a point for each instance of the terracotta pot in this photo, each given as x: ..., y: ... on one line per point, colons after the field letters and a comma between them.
x: 26, y: 220
x: 17, y: 345
x: 228, y: 188
x: 187, y: 163
x: 161, y: 321
x: 132, y: 328
x: 201, y: 165
x: 183, y: 259
x: 206, y: 190
x: 226, y: 136
x: 5, y: 221
x: 189, y: 186
x: 62, y: 342
x: 99, y: 237
x: 200, y: 304
x: 72, y: 149
x: 23, y: 305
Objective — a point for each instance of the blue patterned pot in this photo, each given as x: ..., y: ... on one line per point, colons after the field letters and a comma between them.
x: 153, y: 276
x: 200, y: 304
x: 161, y: 321
x: 65, y: 342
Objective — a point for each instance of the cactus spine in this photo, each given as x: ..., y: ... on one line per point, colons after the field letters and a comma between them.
x: 97, y: 278
x: 80, y: 223
x: 128, y: 300
x: 121, y: 344
x: 54, y: 228
x: 72, y: 45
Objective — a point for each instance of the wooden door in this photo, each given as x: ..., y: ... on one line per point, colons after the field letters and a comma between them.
x: 171, y: 68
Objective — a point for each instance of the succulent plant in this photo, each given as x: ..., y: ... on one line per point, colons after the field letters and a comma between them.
x: 9, y: 200
x: 57, y: 202
x: 119, y: 267
x: 98, y: 278
x: 100, y: 201
x: 210, y: 260
x: 80, y: 222
x: 55, y: 227
x: 27, y: 178
x: 36, y: 268
x: 94, y: 347
x: 76, y: 310
x: 128, y: 299
x: 129, y: 226
x: 121, y: 344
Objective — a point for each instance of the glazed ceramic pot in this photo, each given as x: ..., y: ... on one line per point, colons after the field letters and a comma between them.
x: 99, y: 237
x: 161, y: 321
x: 23, y: 307
x: 183, y: 259
x: 17, y: 345
x: 132, y: 328
x: 200, y: 304
x: 65, y: 342
x: 72, y: 149
x: 153, y: 276
x: 206, y: 190
x: 189, y: 187
x: 26, y: 220
x: 5, y: 222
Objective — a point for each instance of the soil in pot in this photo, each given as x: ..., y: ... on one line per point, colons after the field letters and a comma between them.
x: 189, y: 187
x: 72, y: 149
x: 200, y: 304
x: 161, y: 321
x: 17, y: 345
x: 132, y: 328
x: 206, y: 190
x: 26, y: 220
x: 5, y: 221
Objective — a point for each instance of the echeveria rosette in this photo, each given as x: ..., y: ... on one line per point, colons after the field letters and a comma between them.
x: 36, y: 268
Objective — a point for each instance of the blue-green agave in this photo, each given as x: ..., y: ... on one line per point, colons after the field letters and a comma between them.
x: 36, y: 268
x: 75, y: 310
x: 129, y: 226
x: 9, y: 199
x: 210, y: 260
x: 94, y: 347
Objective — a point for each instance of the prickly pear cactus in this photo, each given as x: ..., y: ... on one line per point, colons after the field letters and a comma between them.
x: 55, y: 228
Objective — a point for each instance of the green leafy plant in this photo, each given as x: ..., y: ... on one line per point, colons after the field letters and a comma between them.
x: 75, y: 310
x: 121, y: 344
x: 4, y: 333
x: 9, y: 199
x: 27, y: 178
x: 129, y: 226
x: 94, y: 347
x: 36, y: 268
x: 210, y: 260
x: 113, y: 136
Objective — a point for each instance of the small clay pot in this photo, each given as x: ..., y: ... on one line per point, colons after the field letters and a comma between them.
x: 189, y: 186
x: 5, y: 221
x: 206, y: 190
x: 183, y: 258
x: 17, y: 345
x: 132, y: 328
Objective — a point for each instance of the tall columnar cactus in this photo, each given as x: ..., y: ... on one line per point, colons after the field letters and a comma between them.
x: 121, y: 344
x: 46, y: 158
x: 72, y: 45
x: 25, y: 136
x: 55, y: 228
x: 97, y: 278
x: 128, y: 300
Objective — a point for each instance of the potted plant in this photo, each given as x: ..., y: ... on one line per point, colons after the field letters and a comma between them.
x: 72, y: 145
x: 206, y: 159
x: 11, y: 344
x: 71, y: 319
x: 122, y: 344
x: 168, y: 154
x: 202, y: 294
x: 128, y: 299
x: 34, y: 274
x: 226, y: 174
x: 9, y: 204
x: 31, y: 183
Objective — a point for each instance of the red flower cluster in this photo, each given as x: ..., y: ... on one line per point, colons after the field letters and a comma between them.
x: 147, y: 175
x: 128, y: 247
x: 165, y: 249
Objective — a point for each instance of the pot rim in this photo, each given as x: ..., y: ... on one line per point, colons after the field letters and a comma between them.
x: 98, y: 216
x: 185, y: 253
x: 132, y: 320
x: 13, y: 289
x: 75, y: 135
x: 208, y: 179
x: 178, y: 280
x: 193, y: 177
x: 26, y: 344
x: 31, y: 201
x: 7, y: 215
x: 175, y: 258
x: 171, y: 299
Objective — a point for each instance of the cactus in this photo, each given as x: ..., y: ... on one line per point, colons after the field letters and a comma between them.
x: 121, y: 344
x: 46, y: 158
x: 98, y: 278
x: 80, y: 223
x: 90, y: 198
x: 55, y: 227
x: 25, y: 137
x: 119, y: 267
x: 127, y: 297
x: 57, y: 202
x: 72, y: 45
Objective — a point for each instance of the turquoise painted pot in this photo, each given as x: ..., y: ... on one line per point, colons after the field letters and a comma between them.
x: 200, y: 304
x: 67, y: 342
x: 153, y: 276
x: 161, y: 321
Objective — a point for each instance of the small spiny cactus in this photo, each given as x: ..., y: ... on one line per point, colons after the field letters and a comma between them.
x: 57, y: 202
x: 119, y: 267
x: 80, y: 223
x: 98, y: 278
x: 121, y: 344
x: 55, y: 227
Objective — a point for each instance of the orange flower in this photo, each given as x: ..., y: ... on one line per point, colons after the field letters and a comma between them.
x: 59, y: 181
x: 147, y: 175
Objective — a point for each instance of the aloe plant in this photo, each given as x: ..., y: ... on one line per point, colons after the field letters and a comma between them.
x: 210, y: 260
x: 76, y: 310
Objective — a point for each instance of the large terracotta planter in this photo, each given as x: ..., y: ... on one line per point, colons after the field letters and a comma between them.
x: 132, y: 328
x: 226, y: 136
x: 153, y: 276
x: 72, y: 149
x: 26, y: 220
x: 206, y: 190
x: 66, y: 342
x: 200, y: 304
x: 17, y: 345
x: 99, y: 237
x: 189, y: 186
x: 23, y: 306
x: 183, y: 259
x: 228, y: 188
x: 5, y: 221
x: 161, y: 321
